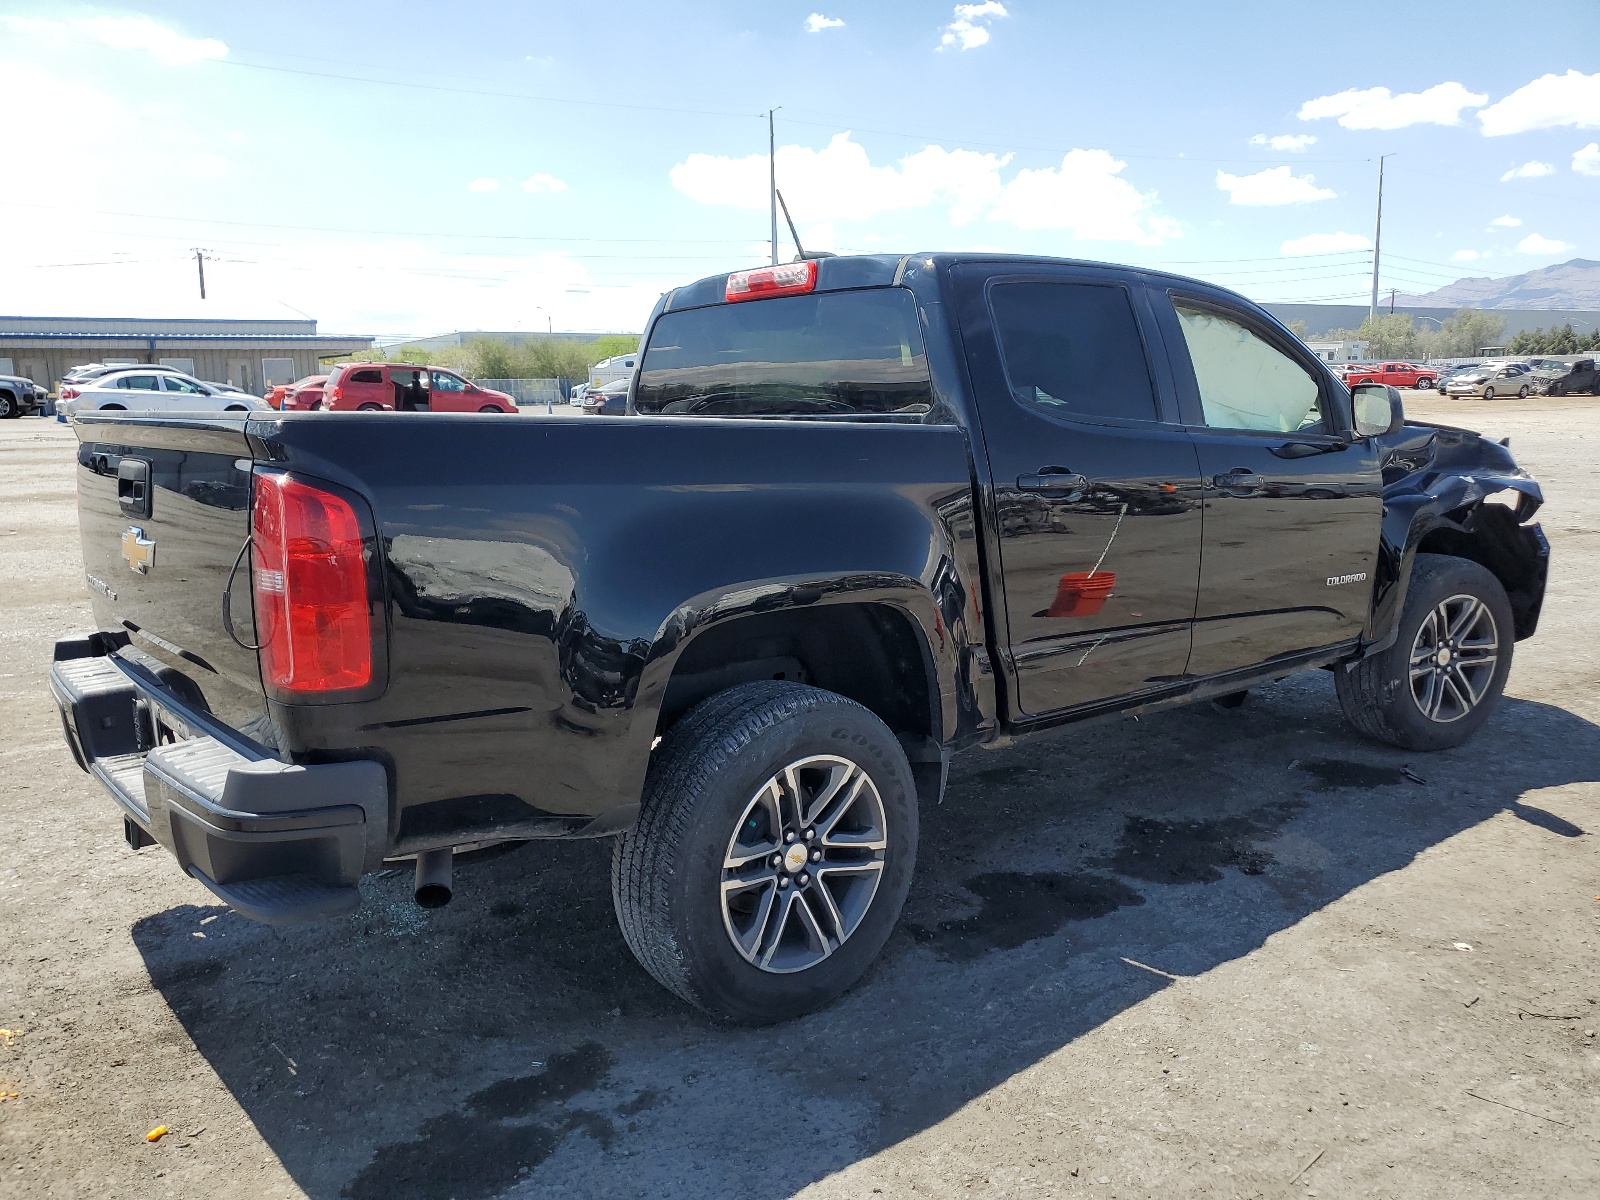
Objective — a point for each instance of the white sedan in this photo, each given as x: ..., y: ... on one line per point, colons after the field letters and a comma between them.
x: 153, y: 392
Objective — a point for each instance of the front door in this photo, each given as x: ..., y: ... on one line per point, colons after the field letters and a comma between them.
x: 1096, y: 486
x: 1293, y: 499
x: 239, y: 374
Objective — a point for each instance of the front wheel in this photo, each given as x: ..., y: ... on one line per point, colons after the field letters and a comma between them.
x: 1439, y: 682
x: 773, y: 851
x: 1522, y: 392
x: 1488, y: 393
x: 490, y: 408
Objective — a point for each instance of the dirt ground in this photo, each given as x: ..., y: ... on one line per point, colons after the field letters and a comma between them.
x: 1210, y: 953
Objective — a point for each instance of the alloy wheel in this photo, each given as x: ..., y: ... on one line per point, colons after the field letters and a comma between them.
x: 803, y: 864
x: 1453, y: 658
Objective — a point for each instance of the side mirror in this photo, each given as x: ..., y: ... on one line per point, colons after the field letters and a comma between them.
x: 1377, y: 408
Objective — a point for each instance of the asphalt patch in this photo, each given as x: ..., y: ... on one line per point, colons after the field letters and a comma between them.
x: 502, y: 1133
x: 1020, y: 908
x: 1196, y: 851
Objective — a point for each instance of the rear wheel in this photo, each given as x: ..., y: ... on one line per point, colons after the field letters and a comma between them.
x: 773, y: 851
x: 1423, y: 384
x: 370, y: 408
x: 1439, y: 682
x: 112, y: 408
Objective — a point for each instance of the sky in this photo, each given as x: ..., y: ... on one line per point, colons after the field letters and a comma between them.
x: 404, y: 169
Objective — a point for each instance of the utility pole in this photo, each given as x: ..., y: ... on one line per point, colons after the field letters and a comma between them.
x: 772, y: 180
x: 200, y: 263
x: 1377, y: 243
x: 1392, y: 291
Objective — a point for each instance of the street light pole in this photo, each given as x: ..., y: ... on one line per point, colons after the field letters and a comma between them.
x: 1377, y: 242
x: 772, y: 180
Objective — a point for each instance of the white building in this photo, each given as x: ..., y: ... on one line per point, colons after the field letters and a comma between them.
x: 1338, y: 352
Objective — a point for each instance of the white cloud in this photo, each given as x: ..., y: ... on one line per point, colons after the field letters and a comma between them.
x: 1528, y: 170
x: 1507, y: 221
x: 1546, y: 103
x: 484, y: 184
x: 1325, y: 243
x: 965, y: 31
x: 1378, y: 108
x: 1534, y: 244
x: 1285, y: 142
x: 816, y: 23
x: 839, y: 181
x: 1587, y: 160
x: 161, y: 42
x: 1470, y: 255
x: 1275, y: 185
x: 540, y: 182
x: 1088, y: 196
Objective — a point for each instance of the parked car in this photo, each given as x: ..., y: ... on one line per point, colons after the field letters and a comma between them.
x: 577, y: 395
x: 1490, y: 381
x: 1395, y: 374
x: 307, y: 394
x: 142, y: 389
x: 1580, y: 377
x: 19, y: 394
x: 1446, y: 374
x: 952, y: 501
x: 607, y: 400
x: 406, y: 387
x: 277, y: 396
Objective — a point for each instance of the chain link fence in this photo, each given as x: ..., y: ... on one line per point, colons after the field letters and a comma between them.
x: 531, y: 391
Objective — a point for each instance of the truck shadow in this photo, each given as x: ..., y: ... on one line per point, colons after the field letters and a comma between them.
x: 509, y: 1045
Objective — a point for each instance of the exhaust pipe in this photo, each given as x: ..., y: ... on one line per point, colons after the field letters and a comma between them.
x: 433, y: 887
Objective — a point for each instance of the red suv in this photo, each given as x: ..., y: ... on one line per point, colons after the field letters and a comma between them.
x: 408, y: 388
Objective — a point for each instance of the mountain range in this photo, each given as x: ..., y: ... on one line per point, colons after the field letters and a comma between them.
x: 1570, y: 285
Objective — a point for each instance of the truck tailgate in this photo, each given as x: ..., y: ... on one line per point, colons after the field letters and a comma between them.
x: 164, y: 513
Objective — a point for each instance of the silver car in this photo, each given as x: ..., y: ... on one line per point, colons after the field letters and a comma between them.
x: 142, y: 389
x: 1491, y: 380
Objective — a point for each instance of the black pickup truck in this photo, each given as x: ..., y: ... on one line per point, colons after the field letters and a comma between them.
x: 863, y: 513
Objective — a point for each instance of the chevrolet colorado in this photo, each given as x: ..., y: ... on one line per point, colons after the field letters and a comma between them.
x: 864, y: 512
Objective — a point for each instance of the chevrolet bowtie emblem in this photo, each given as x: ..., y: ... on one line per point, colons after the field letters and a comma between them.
x: 139, y: 550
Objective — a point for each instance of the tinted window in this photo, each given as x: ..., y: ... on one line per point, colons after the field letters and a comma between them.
x: 834, y: 353
x: 366, y: 377
x: 1073, y: 349
x: 1245, y: 382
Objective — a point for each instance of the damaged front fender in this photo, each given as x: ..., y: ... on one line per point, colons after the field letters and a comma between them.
x: 1438, y: 485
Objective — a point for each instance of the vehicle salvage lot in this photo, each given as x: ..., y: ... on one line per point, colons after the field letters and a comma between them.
x: 1230, y: 953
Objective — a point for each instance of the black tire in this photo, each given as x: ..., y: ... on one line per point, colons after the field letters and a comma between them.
x: 1376, y: 693
x: 1488, y: 393
x: 369, y: 408
x: 1423, y: 384
x: 489, y: 408
x: 667, y: 872
x: 1522, y: 392
x: 236, y: 408
x: 9, y: 407
x: 113, y: 408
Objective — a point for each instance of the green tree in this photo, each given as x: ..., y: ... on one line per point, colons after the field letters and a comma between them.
x: 1563, y: 340
x: 1390, y: 335
x: 1463, y: 335
x: 1300, y: 329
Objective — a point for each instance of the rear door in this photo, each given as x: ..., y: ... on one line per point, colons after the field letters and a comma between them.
x: 1293, y: 500
x: 1096, y: 484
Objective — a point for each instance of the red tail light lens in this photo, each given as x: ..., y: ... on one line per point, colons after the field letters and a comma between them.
x: 313, y: 620
x: 788, y: 279
x: 69, y: 393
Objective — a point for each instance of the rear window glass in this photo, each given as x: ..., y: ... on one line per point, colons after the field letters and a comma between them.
x: 366, y: 377
x: 832, y: 354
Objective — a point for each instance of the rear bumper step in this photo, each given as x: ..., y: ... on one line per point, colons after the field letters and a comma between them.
x: 279, y: 842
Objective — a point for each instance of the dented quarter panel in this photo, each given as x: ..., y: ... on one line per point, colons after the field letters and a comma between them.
x: 1436, y: 479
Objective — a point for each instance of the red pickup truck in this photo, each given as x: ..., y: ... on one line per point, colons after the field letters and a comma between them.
x: 1395, y: 374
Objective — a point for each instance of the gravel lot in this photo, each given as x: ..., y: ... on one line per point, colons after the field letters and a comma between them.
x: 1210, y: 953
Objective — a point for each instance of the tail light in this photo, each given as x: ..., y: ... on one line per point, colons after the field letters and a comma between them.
x: 67, y: 393
x: 313, y: 620
x: 788, y: 279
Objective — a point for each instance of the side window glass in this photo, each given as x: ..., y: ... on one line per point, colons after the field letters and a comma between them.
x: 1245, y: 382
x: 1073, y: 350
x: 443, y: 382
x: 143, y: 383
x: 366, y: 376
x: 174, y: 384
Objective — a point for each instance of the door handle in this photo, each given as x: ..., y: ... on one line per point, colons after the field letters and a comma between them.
x: 1052, y: 479
x: 1239, y: 479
